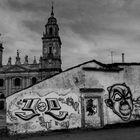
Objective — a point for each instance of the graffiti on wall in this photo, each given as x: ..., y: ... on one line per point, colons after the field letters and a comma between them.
x: 120, y: 101
x: 70, y: 102
x: 92, y: 113
x: 64, y: 124
x: 91, y: 108
x: 45, y: 124
x: 35, y: 105
x: 136, y: 112
x: 49, y: 112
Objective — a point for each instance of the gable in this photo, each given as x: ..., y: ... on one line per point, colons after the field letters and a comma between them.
x: 94, y: 64
x: 16, y: 68
x: 97, y: 66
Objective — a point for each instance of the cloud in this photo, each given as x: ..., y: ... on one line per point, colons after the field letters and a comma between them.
x: 88, y: 29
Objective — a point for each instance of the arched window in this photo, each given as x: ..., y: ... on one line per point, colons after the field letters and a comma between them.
x: 1, y: 82
x: 17, y: 82
x: 50, y: 31
x: 34, y: 80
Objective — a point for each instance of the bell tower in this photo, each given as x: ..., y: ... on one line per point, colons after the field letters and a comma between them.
x: 1, y: 52
x: 51, y: 50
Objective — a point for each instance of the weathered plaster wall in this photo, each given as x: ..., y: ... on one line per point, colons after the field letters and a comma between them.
x: 59, y: 103
x: 50, y: 105
x: 122, y: 96
x: 103, y: 80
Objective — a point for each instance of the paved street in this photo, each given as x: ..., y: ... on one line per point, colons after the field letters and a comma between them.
x: 104, y: 134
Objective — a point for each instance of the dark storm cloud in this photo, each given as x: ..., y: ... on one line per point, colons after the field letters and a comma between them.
x: 26, y: 5
x: 35, y: 26
x: 95, y: 27
x: 88, y: 17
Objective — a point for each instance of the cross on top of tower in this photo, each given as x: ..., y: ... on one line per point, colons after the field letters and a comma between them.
x: 52, y: 13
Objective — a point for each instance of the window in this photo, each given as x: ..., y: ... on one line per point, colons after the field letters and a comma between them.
x: 2, y: 101
x: 34, y: 80
x: 17, y: 82
x: 2, y: 96
x: 1, y: 82
x: 50, y: 31
x: 50, y: 50
x: 1, y: 105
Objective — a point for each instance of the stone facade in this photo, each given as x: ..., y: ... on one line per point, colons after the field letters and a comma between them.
x: 14, y: 77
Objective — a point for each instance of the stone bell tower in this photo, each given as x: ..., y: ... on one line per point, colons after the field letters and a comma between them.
x: 51, y: 50
x: 1, y: 52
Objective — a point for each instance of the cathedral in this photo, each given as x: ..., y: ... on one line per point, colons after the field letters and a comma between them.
x: 14, y: 77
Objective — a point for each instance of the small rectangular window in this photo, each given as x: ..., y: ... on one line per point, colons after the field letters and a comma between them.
x: 1, y: 82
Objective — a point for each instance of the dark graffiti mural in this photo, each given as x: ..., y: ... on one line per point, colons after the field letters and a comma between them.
x: 92, y: 112
x: 50, y: 111
x: 64, y: 124
x: 34, y: 107
x: 120, y: 101
x: 136, y: 112
x: 30, y: 106
x: 70, y: 102
x: 47, y: 124
x: 90, y: 107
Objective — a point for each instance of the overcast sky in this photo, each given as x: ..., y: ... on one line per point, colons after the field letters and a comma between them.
x: 89, y: 29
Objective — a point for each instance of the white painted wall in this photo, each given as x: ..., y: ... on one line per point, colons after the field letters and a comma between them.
x: 120, y: 102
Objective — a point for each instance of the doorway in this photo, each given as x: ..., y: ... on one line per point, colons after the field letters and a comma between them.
x: 92, y: 108
x: 92, y: 112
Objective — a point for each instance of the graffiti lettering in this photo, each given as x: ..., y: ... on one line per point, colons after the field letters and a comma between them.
x: 53, y: 104
x: 70, y: 102
x: 45, y: 124
x: 34, y: 105
x: 41, y: 106
x: 120, y: 101
x: 62, y: 115
x: 63, y: 124
x: 30, y: 105
x: 136, y: 104
x: 11, y: 117
x: 42, y: 110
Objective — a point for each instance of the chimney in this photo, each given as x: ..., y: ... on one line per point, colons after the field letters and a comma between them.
x: 122, y: 57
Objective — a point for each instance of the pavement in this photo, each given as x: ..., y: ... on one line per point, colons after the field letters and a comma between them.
x: 109, y: 133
